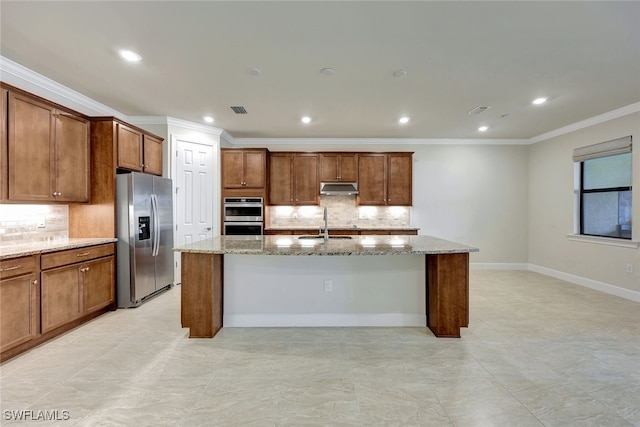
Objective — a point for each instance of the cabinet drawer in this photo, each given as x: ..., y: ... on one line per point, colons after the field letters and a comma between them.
x: 57, y: 259
x: 17, y: 266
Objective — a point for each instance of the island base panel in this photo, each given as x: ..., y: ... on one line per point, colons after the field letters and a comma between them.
x: 201, y: 294
x: 447, y: 294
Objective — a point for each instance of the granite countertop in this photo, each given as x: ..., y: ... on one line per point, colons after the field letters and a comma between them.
x: 345, y: 228
x: 23, y: 249
x: 357, y: 245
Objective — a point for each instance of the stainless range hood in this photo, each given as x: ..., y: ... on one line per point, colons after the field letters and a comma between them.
x: 338, y: 188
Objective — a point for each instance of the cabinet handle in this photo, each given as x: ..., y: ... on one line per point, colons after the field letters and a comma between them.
x: 83, y: 254
x: 34, y: 282
x: 11, y: 268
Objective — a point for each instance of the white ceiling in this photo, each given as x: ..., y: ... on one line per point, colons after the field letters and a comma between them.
x: 584, y: 56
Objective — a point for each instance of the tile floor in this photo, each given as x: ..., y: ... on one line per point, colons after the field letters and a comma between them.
x: 538, y: 352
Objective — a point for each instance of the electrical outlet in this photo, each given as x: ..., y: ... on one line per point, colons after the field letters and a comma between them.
x: 629, y: 268
x: 41, y: 222
x: 328, y: 285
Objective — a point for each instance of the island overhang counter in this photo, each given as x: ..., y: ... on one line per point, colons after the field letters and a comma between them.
x: 446, y: 273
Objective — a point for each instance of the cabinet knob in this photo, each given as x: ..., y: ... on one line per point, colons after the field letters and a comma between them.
x: 34, y: 282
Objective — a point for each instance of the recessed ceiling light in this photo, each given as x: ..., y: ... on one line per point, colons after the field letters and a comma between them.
x: 130, y: 55
x: 254, y: 71
x: 403, y: 120
x: 208, y: 119
x: 483, y: 128
x: 328, y: 71
x: 399, y: 73
x: 539, y: 101
x: 306, y: 119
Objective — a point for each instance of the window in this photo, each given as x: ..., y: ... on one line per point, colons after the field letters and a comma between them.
x: 605, y: 188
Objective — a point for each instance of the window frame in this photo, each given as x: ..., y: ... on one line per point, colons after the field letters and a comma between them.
x: 582, y: 192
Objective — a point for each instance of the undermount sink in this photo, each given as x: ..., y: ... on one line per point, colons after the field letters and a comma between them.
x: 316, y: 236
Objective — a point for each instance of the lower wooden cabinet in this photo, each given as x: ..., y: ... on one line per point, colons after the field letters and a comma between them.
x: 44, y: 295
x: 61, y: 297
x: 19, y: 308
x: 72, y: 289
x: 99, y: 285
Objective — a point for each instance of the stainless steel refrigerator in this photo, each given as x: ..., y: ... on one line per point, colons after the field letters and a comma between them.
x: 145, y: 237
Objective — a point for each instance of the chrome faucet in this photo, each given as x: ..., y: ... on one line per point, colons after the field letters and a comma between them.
x: 326, y: 224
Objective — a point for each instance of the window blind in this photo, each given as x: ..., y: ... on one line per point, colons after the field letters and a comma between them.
x: 603, y: 149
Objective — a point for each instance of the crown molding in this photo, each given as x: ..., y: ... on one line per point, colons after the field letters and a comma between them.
x: 172, y: 121
x: 377, y: 141
x: 614, y: 114
x: 17, y: 75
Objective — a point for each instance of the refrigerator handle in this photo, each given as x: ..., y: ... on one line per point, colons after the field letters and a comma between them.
x: 156, y: 225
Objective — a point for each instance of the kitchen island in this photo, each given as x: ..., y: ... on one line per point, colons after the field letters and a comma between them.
x: 446, y: 267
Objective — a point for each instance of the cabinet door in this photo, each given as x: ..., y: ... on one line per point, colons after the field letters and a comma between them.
x: 305, y: 179
x: 31, y: 144
x: 329, y: 167
x: 129, y: 148
x: 72, y: 158
x: 280, y: 179
x: 19, y: 310
x: 152, y: 155
x: 61, y: 296
x: 348, y: 167
x: 336, y: 167
x: 4, y: 171
x: 399, y: 179
x: 232, y: 168
x: 371, y: 179
x: 254, y: 169
x: 98, y: 283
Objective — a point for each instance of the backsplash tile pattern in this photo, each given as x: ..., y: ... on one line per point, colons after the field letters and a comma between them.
x: 342, y: 211
x: 33, y: 223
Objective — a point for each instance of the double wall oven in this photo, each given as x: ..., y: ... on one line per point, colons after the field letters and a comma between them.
x: 243, y: 216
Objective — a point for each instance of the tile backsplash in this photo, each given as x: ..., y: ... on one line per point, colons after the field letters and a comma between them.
x: 342, y: 211
x: 32, y: 223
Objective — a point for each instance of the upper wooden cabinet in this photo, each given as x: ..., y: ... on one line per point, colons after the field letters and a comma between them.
x: 244, y: 168
x: 4, y: 171
x: 48, y: 152
x: 152, y: 154
x: 337, y: 167
x: 385, y: 179
x: 129, y: 144
x: 138, y: 151
x: 293, y: 179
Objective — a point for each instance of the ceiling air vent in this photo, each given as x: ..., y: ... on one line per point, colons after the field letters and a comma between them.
x: 478, y: 110
x: 239, y: 110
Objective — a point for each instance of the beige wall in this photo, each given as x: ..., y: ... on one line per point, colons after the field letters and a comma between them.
x: 551, y: 209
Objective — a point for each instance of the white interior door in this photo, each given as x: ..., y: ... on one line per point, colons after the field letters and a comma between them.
x: 194, y: 184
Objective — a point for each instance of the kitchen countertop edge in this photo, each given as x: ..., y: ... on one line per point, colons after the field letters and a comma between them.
x: 31, y: 248
x: 358, y: 245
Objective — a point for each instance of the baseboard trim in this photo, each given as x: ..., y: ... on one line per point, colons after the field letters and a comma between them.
x: 324, y: 320
x: 588, y: 283
x: 498, y: 266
